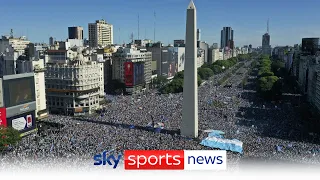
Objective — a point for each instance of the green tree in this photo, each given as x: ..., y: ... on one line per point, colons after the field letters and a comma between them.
x: 159, y: 81
x: 8, y: 137
x: 175, y: 86
x: 179, y: 75
x: 199, y: 80
x: 266, y: 83
x: 205, y: 65
x: 278, y: 68
x: 263, y: 74
x: 205, y: 73
x: 216, y: 69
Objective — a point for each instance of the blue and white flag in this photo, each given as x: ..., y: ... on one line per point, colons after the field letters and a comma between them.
x: 223, y: 144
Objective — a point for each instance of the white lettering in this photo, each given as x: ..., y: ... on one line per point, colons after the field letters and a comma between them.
x: 131, y: 158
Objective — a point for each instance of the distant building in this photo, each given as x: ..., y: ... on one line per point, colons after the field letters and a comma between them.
x: 179, y: 43
x: 266, y: 47
x: 51, y: 41
x: 132, y: 66
x: 18, y: 44
x: 205, y: 48
x: 75, y: 42
x: 310, y: 46
x: 226, y: 36
x: 74, y: 81
x: 142, y: 43
x: 215, y: 46
x: 198, y: 34
x: 75, y: 32
x: 100, y: 33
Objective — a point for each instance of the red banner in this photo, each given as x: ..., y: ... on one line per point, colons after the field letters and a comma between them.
x: 128, y: 72
x: 3, y: 117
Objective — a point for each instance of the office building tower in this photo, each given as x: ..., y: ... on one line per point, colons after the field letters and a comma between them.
x: 310, y: 46
x: 75, y: 32
x: 100, y: 33
x: 226, y: 37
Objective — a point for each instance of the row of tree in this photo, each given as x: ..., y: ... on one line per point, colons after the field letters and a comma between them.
x: 204, y: 73
x: 269, y: 77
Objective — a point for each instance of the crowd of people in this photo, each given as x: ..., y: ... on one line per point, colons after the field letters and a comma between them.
x: 268, y: 130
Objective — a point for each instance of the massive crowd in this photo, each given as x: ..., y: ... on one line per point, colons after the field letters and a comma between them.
x: 268, y: 130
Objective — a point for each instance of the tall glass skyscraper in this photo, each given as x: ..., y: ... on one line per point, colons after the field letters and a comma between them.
x: 226, y: 37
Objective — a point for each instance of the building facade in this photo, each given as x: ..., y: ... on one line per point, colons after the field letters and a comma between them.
x: 74, y: 81
x: 226, y: 37
x: 100, y: 33
x: 266, y: 47
x: 75, y: 32
x: 132, y: 66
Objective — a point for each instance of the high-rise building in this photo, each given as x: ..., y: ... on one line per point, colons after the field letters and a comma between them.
x: 310, y: 45
x: 266, y: 48
x: 51, y: 41
x: 132, y: 66
x: 198, y: 34
x: 75, y: 32
x: 226, y: 37
x: 100, y: 33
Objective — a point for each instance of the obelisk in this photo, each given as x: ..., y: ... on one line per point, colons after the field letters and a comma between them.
x: 189, y: 127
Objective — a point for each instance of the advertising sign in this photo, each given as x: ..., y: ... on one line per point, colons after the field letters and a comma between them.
x: 22, y: 108
x: 136, y: 74
x: 19, y: 123
x: 23, y: 122
x: 29, y: 121
x: 3, y: 117
x: 141, y: 73
x: 19, y: 91
x: 128, y: 73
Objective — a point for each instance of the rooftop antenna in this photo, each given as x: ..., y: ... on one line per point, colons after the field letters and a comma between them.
x: 154, y: 33
x: 138, y: 27
x: 268, y: 26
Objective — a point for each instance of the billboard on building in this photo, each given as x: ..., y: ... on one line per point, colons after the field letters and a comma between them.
x: 171, y: 69
x: 136, y: 74
x: 18, y: 91
x: 22, y: 122
x: 141, y: 75
x: 3, y: 117
x: 128, y: 73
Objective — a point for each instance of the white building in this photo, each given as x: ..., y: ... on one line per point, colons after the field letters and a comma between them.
x: 74, y: 82
x: 75, y: 42
x: 100, y: 33
x: 180, y: 58
x: 40, y: 88
x: 135, y: 56
x: 18, y: 44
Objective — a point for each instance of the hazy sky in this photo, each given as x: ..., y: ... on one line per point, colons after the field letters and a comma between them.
x: 290, y: 20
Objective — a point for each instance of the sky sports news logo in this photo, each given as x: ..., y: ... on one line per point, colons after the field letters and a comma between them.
x: 166, y: 160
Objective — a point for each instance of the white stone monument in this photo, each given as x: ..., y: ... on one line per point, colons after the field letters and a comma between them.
x: 189, y: 127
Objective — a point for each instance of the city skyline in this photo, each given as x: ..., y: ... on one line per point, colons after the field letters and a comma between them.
x: 287, y: 26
